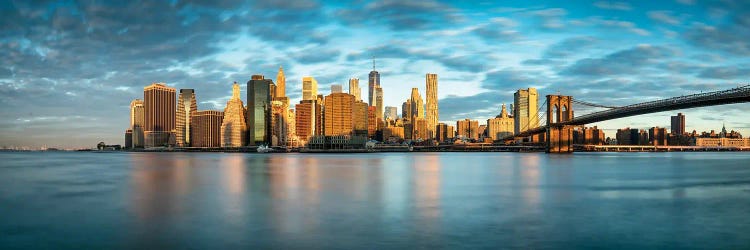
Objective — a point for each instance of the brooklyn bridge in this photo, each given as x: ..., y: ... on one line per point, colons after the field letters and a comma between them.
x: 559, y: 121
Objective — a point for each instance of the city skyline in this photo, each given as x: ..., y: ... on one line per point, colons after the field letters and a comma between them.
x: 612, y: 53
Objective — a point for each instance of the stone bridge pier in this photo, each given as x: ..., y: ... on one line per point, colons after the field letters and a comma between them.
x: 559, y: 137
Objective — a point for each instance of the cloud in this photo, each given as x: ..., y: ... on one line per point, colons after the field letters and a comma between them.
x: 610, y: 23
x: 729, y: 36
x: 551, y: 19
x: 621, y: 62
x: 556, y: 53
x: 727, y: 73
x: 608, y: 5
x: 665, y: 17
x: 456, y: 62
x: 485, y: 104
x: 400, y: 15
x: 497, y: 30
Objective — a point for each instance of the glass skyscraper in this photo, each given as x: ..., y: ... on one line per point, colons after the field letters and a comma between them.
x: 259, y: 111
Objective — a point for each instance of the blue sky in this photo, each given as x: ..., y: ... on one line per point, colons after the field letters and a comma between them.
x: 70, y: 68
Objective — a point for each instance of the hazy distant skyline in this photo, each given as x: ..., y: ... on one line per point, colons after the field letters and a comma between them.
x: 70, y: 68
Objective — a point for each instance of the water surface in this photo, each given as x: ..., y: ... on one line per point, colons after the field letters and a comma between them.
x: 391, y: 200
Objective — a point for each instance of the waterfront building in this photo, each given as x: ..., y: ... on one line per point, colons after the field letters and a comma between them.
x: 291, y: 135
x: 279, y: 123
x: 420, y: 130
x: 406, y: 110
x: 526, y: 104
x: 338, y: 114
x: 379, y: 105
x: 632, y: 136
x: 233, y: 131
x: 722, y: 142
x: 159, y: 115
x: 137, y: 121
x: 372, y: 122
x: 309, y: 88
x: 501, y: 126
x: 354, y: 89
x: 206, y: 128
x: 678, y: 124
x: 657, y: 136
x: 258, y: 117
x: 391, y: 113
x: 431, y: 111
x: 393, y: 134
x: 129, y: 138
x: 482, y: 131
x: 308, y: 116
x: 186, y: 105
x: 372, y: 83
x: 589, y: 136
x: 468, y: 129
x: 441, y: 132
x: 336, y: 88
x: 451, y: 132
x: 359, y: 117
x: 416, y: 104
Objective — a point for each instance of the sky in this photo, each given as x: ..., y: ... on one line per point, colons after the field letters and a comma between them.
x: 69, y: 69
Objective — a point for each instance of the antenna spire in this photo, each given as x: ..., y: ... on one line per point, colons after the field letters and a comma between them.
x: 373, y: 63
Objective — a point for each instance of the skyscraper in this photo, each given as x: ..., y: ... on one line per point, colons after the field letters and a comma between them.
x: 417, y: 104
x: 406, y: 110
x: 336, y: 88
x: 500, y: 126
x: 379, y: 104
x: 233, y: 126
x: 678, y: 124
x: 309, y: 88
x: 258, y: 117
x: 186, y: 105
x: 372, y: 121
x: 137, y: 121
x: 280, y: 84
x: 431, y: 112
x: 159, y: 116
x: 391, y: 113
x: 338, y: 114
x: 359, y: 116
x: 206, y: 128
x: 372, y: 83
x: 307, y: 114
x: 354, y: 89
x: 468, y: 129
x: 526, y: 103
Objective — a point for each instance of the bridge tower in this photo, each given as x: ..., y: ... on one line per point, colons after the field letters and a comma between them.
x: 559, y: 137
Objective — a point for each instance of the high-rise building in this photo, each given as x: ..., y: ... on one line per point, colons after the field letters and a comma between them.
x: 406, y: 110
x: 372, y: 121
x: 468, y: 129
x: 359, y: 116
x: 258, y: 117
x: 526, y: 104
x: 589, y: 136
x: 391, y: 113
x: 307, y: 118
x: 206, y: 128
x: 678, y: 124
x: 501, y: 126
x: 441, y: 132
x: 279, y: 123
x: 379, y: 104
x: 354, y: 89
x: 419, y: 127
x: 451, y: 132
x: 431, y: 111
x: 309, y: 88
x: 137, y: 121
x: 338, y: 114
x: 291, y: 132
x: 417, y: 104
x: 482, y: 131
x: 280, y: 90
x: 372, y: 83
x: 336, y: 88
x: 657, y: 136
x: 234, y: 126
x: 159, y: 117
x: 186, y: 105
x: 128, y: 138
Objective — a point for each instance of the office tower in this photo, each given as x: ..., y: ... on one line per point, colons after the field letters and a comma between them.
x: 309, y: 88
x: 372, y: 121
x: 589, y: 136
x: 417, y: 104
x: 279, y: 123
x: 159, y: 117
x: 308, y: 115
x: 359, y: 116
x: 291, y: 132
x: 678, y: 124
x: 431, y: 111
x: 393, y: 134
x: 137, y: 121
x: 391, y: 113
x: 206, y: 128
x: 258, y: 117
x: 337, y: 88
x: 419, y: 128
x: 526, y: 104
x: 468, y: 129
x: 234, y: 126
x: 501, y: 126
x: 128, y: 138
x: 441, y: 132
x: 354, y: 89
x: 280, y: 84
x: 451, y: 132
x: 372, y: 83
x: 379, y: 104
x: 186, y: 105
x: 406, y: 110
x: 657, y: 136
x: 338, y: 114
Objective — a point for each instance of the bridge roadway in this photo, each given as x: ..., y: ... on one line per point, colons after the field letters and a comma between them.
x: 722, y: 97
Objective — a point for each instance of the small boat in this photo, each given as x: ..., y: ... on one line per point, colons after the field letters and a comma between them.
x: 264, y: 149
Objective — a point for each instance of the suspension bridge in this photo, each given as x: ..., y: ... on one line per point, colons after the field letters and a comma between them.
x: 559, y: 122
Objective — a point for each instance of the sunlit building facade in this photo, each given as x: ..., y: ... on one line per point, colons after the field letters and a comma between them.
x: 359, y: 118
x: 186, y: 105
x: 206, y: 128
x: 501, y: 126
x: 354, y: 89
x: 339, y: 114
x: 234, y: 127
x: 468, y: 129
x: 526, y: 105
x: 159, y: 103
x: 258, y: 117
x: 137, y: 121
x: 391, y: 113
x: 309, y: 88
x: 431, y: 105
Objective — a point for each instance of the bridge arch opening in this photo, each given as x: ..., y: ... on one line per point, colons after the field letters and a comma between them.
x: 555, y: 113
x: 564, y: 114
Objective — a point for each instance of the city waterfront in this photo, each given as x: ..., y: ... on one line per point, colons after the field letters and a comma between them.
x: 152, y: 200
